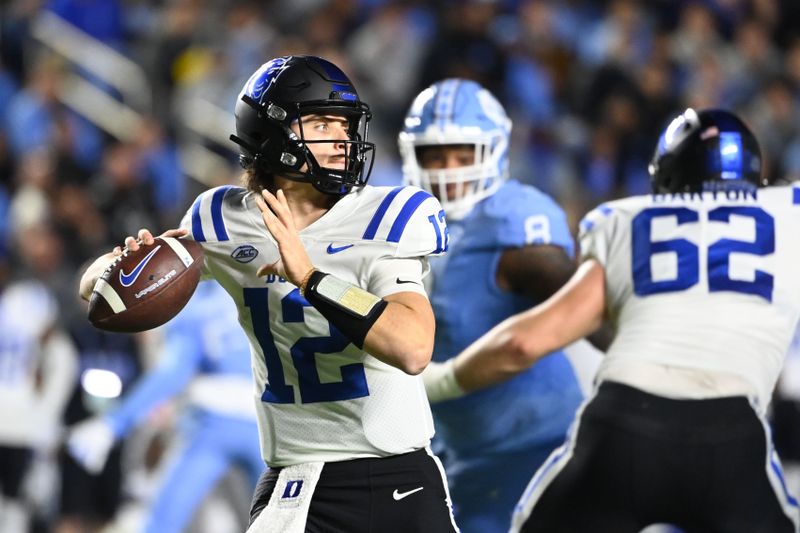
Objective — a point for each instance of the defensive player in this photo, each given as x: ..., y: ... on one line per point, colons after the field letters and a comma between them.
x: 206, y: 355
x: 510, y: 248
x: 701, y: 280
x: 330, y: 295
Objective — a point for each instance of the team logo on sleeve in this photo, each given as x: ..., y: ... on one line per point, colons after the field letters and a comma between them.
x: 245, y: 253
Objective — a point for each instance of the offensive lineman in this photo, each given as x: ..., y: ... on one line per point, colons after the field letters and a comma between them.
x: 334, y: 307
x: 701, y: 281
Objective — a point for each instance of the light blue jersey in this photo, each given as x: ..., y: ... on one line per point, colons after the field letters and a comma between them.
x: 493, y: 440
x: 206, y: 356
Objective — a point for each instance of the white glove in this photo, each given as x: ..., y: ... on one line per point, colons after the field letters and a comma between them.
x: 89, y: 443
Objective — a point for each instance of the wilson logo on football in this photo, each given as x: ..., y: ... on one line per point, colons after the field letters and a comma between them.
x: 244, y: 253
x: 171, y: 274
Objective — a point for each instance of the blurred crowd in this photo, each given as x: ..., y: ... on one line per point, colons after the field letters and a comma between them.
x: 588, y: 83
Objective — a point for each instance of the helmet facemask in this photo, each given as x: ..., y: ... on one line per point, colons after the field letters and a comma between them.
x: 450, y: 113
x: 460, y: 188
x: 293, y: 158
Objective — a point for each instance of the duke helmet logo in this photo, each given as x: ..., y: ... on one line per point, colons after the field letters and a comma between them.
x: 244, y: 253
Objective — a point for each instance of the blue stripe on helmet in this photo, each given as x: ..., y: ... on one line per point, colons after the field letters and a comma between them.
x: 445, y: 102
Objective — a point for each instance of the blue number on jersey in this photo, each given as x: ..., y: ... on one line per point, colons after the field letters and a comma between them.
x: 644, y: 248
x: 303, y: 352
x: 687, y: 253
x: 718, y: 266
x: 442, y: 237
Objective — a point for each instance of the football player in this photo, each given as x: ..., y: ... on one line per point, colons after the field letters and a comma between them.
x: 38, y: 366
x: 205, y: 355
x: 327, y: 275
x: 700, y: 279
x: 510, y: 248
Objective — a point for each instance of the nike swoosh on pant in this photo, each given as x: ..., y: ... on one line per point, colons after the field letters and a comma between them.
x: 400, y: 495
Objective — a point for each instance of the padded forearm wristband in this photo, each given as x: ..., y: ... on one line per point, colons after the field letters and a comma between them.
x: 351, y: 309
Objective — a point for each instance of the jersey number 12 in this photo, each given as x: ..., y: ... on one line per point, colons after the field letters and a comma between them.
x: 304, y: 352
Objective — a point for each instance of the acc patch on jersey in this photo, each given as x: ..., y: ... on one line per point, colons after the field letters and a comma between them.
x: 245, y: 253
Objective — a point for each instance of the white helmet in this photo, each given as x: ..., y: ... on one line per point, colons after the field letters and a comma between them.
x: 457, y: 112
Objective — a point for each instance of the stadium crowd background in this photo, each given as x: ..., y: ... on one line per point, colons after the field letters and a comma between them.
x: 114, y: 114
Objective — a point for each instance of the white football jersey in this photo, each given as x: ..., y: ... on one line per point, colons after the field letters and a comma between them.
x: 37, y: 364
x: 701, y: 281
x: 319, y: 397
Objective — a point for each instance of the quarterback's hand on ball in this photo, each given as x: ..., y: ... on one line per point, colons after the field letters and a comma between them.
x: 96, y: 269
x: 145, y: 237
x: 294, y: 263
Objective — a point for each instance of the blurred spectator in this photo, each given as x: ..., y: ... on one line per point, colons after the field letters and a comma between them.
x: 159, y: 167
x: 36, y: 119
x: 125, y: 199
x: 108, y: 365
x: 386, y: 53
x: 465, y: 46
x: 775, y: 117
x: 101, y: 19
x: 37, y: 370
x: 696, y: 34
x: 40, y: 254
x: 622, y: 37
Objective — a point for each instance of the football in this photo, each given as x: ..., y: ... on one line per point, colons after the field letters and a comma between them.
x: 143, y: 289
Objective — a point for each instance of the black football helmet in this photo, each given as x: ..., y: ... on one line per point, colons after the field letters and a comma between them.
x: 710, y: 149
x: 278, y: 94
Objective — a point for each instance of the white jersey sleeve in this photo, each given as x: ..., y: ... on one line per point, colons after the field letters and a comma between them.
x: 411, y: 220
x: 412, y: 225
x: 205, y: 220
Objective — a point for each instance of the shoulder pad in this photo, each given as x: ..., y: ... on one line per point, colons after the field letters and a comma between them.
x: 520, y: 215
x: 206, y: 218
x: 596, y: 216
x: 411, y: 218
x: 595, y: 231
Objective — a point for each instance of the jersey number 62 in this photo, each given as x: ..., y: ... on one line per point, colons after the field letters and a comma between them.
x: 688, y: 254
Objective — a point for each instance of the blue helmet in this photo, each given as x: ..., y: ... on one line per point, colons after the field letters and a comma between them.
x: 275, y: 97
x: 711, y: 149
x: 457, y: 112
